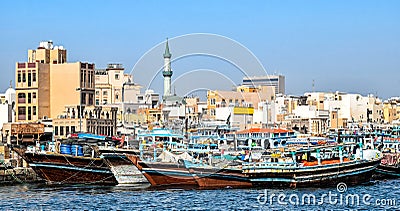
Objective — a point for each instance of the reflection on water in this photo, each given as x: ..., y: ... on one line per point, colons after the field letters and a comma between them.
x: 46, y: 197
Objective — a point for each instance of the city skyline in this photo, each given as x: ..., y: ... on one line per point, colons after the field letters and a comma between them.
x: 342, y: 46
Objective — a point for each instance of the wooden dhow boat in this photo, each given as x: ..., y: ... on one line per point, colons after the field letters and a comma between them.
x: 165, y: 172
x: 66, y: 168
x: 314, y: 166
x: 390, y: 164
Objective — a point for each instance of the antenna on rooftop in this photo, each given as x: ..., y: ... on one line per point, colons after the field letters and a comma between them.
x: 313, y: 85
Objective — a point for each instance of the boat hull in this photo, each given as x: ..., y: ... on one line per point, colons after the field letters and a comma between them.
x: 389, y: 167
x: 122, y: 168
x: 220, y: 178
x: 164, y: 174
x: 68, y: 169
x: 387, y: 172
x: 351, y: 173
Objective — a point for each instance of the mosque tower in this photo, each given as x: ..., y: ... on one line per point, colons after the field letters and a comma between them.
x: 167, y: 73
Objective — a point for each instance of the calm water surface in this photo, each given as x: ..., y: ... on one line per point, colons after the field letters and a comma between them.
x: 377, y: 195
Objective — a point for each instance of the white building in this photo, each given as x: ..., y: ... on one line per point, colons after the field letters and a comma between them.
x: 7, y: 106
x: 277, y: 81
x: 355, y: 107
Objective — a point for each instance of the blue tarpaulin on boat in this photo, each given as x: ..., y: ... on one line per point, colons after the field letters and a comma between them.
x: 91, y: 136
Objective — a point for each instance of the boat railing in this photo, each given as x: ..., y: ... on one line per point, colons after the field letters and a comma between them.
x: 268, y: 165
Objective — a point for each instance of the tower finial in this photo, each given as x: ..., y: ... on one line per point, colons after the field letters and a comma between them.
x: 167, y: 54
x: 10, y: 83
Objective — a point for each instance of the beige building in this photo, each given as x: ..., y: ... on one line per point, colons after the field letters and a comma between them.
x: 71, y: 84
x: 32, y: 85
x: 95, y: 119
x: 243, y: 97
x: 46, y: 83
x: 46, y: 53
x: 114, y: 86
x: 391, y: 110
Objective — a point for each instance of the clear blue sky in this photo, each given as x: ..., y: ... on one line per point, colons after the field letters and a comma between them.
x: 350, y: 46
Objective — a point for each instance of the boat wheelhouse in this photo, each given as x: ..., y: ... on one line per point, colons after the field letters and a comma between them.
x: 263, y: 137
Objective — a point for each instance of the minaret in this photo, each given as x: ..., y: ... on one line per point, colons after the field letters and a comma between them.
x: 167, y: 73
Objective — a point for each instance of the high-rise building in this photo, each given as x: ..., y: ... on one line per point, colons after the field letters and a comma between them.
x: 46, y: 83
x: 277, y: 81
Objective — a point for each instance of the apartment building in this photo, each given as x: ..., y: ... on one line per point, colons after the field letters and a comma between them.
x: 115, y: 86
x: 46, y: 83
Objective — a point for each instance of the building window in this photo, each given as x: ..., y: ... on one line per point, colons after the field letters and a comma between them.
x: 21, y: 65
x: 34, y: 95
x: 89, y: 78
x: 91, y: 99
x: 34, y: 110
x: 104, y: 92
x: 83, y: 98
x: 23, y: 76
x: 97, y: 102
x: 73, y: 129
x: 22, y: 110
x: 21, y: 113
x: 29, y: 78
x: 212, y: 101
x: 29, y: 113
x: 116, y: 76
x: 61, y: 130
x: 92, y: 80
x: 104, y: 101
x: 33, y: 76
x: 117, y: 97
x: 66, y: 130
x: 97, y: 93
x: 21, y: 98
x: 212, y: 112
x: 19, y: 77
x: 82, y: 78
x: 29, y: 98
x: 56, y: 130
